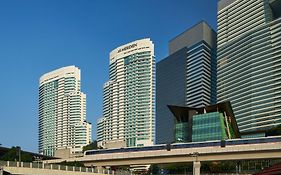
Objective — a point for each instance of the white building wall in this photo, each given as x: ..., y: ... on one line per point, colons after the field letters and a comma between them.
x: 62, y: 112
x: 129, y: 95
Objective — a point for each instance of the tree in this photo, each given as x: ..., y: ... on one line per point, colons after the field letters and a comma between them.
x: 215, y: 167
x: 91, y: 146
x: 75, y: 163
x: 10, y: 155
x: 13, y: 154
x: 26, y: 157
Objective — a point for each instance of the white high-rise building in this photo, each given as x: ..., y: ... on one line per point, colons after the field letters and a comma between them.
x: 129, y: 97
x: 62, y: 112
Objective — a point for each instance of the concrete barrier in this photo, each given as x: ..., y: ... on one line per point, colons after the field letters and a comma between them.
x: 34, y: 171
x: 46, y: 169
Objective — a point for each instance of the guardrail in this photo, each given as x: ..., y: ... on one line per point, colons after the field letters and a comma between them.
x: 40, y: 165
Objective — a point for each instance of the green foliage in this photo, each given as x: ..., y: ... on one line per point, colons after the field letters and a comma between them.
x: 77, y: 164
x: 154, y: 169
x: 173, y: 168
x: 206, y: 167
x: 91, y: 146
x: 214, y: 167
x: 218, y: 167
x: 26, y: 157
x: 274, y: 131
x: 13, y: 154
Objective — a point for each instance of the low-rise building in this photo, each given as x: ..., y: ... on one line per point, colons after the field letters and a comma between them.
x: 214, y: 122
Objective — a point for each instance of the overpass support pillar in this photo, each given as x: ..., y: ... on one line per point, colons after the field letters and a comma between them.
x: 100, y: 169
x: 196, y: 168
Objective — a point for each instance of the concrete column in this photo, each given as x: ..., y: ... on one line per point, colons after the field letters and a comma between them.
x: 30, y: 165
x: 18, y: 164
x: 196, y: 168
x: 66, y: 168
x: 21, y: 164
x: 100, y: 169
x: 59, y: 167
x: 51, y: 166
x: 8, y: 163
x: 108, y: 169
x: 42, y: 166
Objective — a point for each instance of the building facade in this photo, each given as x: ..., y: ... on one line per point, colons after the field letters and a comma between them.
x: 129, y: 97
x: 249, y: 59
x: 62, y: 112
x: 209, y: 126
x: 187, y: 77
x: 214, y: 122
x: 100, y: 130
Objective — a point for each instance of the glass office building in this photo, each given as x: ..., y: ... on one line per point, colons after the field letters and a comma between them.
x: 187, y: 77
x: 249, y: 62
x: 209, y: 126
x: 180, y: 132
x: 213, y: 122
x: 129, y: 97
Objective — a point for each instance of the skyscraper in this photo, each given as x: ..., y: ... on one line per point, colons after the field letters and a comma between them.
x: 62, y: 112
x: 249, y: 62
x: 187, y: 77
x: 129, y: 97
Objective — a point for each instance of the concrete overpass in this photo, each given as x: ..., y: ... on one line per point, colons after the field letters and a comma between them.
x: 195, y: 155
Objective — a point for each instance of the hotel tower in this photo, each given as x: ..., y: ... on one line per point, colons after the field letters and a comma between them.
x: 129, y: 97
x: 62, y: 112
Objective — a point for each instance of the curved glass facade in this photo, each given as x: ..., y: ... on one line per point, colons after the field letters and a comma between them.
x: 209, y: 126
x: 249, y: 63
x: 181, y: 134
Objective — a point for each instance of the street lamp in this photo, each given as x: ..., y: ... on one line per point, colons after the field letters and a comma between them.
x: 19, y: 152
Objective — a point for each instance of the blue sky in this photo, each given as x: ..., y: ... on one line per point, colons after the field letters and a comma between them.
x: 38, y: 36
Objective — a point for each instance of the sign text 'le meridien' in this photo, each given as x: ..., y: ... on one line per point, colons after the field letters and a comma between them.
x: 127, y: 47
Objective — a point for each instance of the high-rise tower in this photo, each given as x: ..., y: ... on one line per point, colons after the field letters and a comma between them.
x: 129, y: 97
x: 249, y: 62
x: 62, y: 112
x: 187, y: 77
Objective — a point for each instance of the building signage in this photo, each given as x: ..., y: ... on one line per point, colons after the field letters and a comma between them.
x: 127, y: 47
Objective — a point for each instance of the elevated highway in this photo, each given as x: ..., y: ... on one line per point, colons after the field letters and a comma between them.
x: 212, y: 153
x: 240, y: 149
